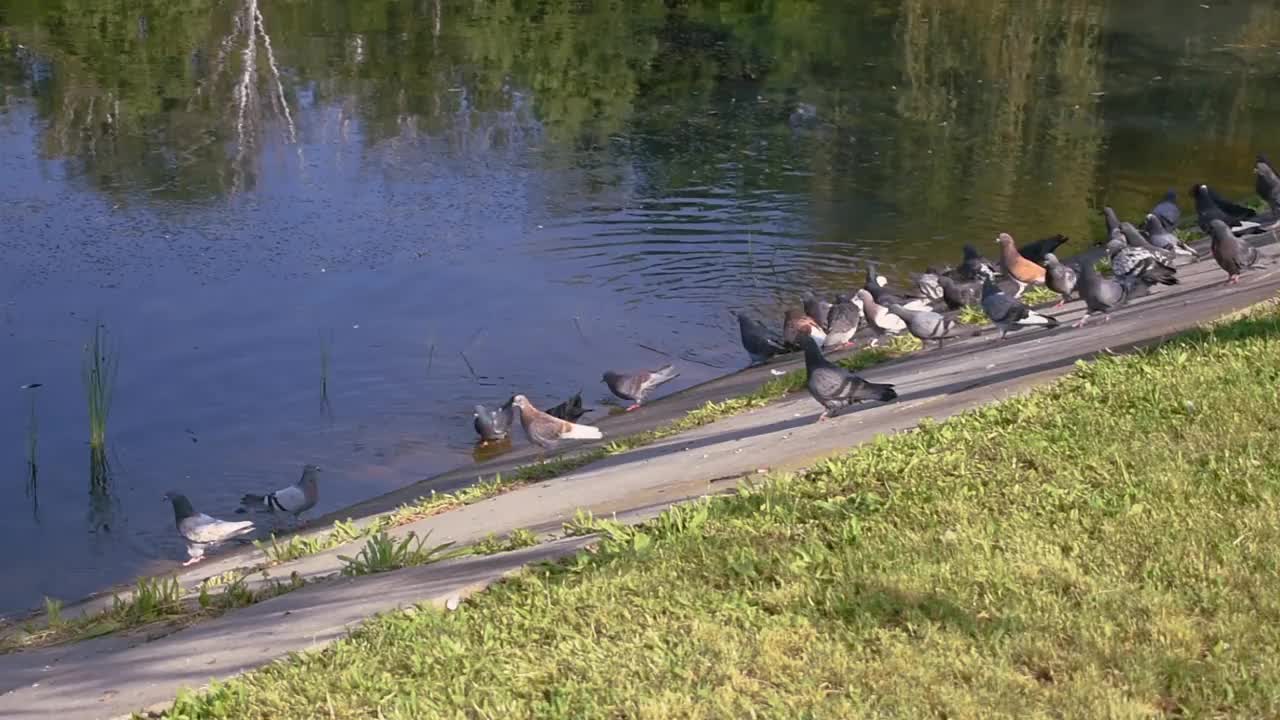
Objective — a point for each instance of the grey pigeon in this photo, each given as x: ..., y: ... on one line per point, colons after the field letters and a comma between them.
x: 929, y: 286
x: 1009, y: 314
x: 634, y: 386
x: 1135, y: 239
x: 1100, y: 294
x: 494, y: 424
x: 958, y: 294
x: 547, y: 432
x: 1162, y: 237
x: 201, y: 531
x: 925, y: 324
x: 834, y: 387
x: 1059, y: 278
x: 1233, y: 254
x: 876, y: 287
x: 295, y: 499
x: 570, y: 409
x: 1035, y: 251
x: 796, y: 326
x: 842, y: 323
x: 1210, y: 206
x: 975, y: 266
x: 757, y: 340
x: 1267, y: 184
x: 879, y: 317
x: 1113, y: 222
x: 1167, y: 210
x: 816, y: 309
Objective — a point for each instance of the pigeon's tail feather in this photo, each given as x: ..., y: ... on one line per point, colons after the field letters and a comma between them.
x: 1035, y: 318
x: 253, y: 502
x: 917, y: 305
x: 883, y: 392
x: 582, y: 432
x: 1157, y: 274
x: 665, y: 373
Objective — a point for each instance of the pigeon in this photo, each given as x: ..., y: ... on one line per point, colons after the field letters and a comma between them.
x: 874, y: 278
x: 1267, y: 184
x: 545, y: 431
x: 757, y: 340
x: 878, y: 316
x: 796, y: 325
x: 928, y: 287
x: 1100, y: 295
x: 1167, y: 210
x: 925, y: 324
x: 1210, y: 207
x: 1113, y: 222
x: 1035, y: 251
x: 834, y: 387
x: 816, y: 310
x: 1134, y: 239
x: 494, y: 424
x: 959, y: 294
x: 1023, y: 271
x: 201, y: 531
x: 295, y: 499
x: 842, y: 323
x: 570, y: 409
x: 1008, y: 314
x: 1233, y: 254
x: 1162, y: 237
x: 975, y: 266
x: 1059, y: 278
x: 634, y: 386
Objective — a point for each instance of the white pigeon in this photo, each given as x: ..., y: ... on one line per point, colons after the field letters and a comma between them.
x: 201, y: 531
x: 295, y: 499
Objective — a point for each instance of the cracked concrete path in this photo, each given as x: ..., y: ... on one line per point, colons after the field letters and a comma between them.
x: 108, y: 676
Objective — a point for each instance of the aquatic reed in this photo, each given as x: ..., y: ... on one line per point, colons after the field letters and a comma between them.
x: 99, y: 374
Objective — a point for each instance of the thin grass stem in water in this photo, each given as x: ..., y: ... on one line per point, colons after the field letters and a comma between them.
x: 99, y: 374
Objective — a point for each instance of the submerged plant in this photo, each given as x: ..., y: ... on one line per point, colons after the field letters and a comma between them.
x: 326, y: 347
x: 33, y: 446
x: 99, y: 375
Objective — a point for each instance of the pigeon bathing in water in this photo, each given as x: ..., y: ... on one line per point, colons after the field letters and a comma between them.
x: 817, y: 310
x: 201, y: 531
x: 1023, y: 271
x: 834, y: 387
x: 1267, y: 184
x: 757, y: 340
x: 545, y: 431
x: 1059, y: 278
x: 1233, y: 254
x: 959, y: 294
x: 842, y: 323
x: 494, y: 424
x: 570, y: 409
x: 796, y: 326
x: 1167, y: 210
x: 1035, y: 251
x: 925, y: 324
x: 295, y: 499
x: 1162, y: 237
x: 634, y: 386
x: 879, y: 317
x: 1008, y: 314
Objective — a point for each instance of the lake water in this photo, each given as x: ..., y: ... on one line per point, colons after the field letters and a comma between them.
x: 424, y: 204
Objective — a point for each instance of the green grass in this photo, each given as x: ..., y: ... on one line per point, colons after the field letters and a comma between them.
x: 99, y: 375
x: 151, y: 600
x: 382, y: 553
x: 1039, y: 295
x: 972, y: 315
x: 1101, y: 548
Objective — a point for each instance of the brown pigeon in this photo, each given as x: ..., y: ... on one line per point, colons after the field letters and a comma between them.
x: 1023, y: 271
x: 545, y: 431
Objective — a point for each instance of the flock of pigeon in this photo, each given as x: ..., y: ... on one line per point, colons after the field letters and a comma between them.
x: 1139, y: 260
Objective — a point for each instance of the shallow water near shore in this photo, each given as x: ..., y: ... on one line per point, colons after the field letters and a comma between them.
x: 321, y: 232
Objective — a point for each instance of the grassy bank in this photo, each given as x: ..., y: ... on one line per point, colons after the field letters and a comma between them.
x: 1103, y: 548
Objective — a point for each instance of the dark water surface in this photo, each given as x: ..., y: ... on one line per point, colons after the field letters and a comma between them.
x: 246, y: 191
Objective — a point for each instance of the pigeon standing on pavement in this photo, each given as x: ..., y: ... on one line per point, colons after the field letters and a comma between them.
x: 1023, y: 271
x: 926, y: 324
x: 879, y: 317
x: 1233, y: 254
x: 974, y: 266
x: 1134, y: 239
x: 570, y: 409
x: 796, y: 325
x: 1101, y: 295
x: 816, y: 309
x: 1035, y: 251
x: 1167, y: 210
x: 201, y: 531
x: 929, y: 287
x: 1008, y: 314
x: 834, y: 387
x: 1059, y: 278
x: 547, y: 432
x: 295, y: 499
x: 493, y: 424
x: 759, y: 342
x: 1267, y: 184
x: 1162, y: 237
x: 957, y: 294
x: 842, y: 323
x: 1210, y: 207
x: 634, y: 386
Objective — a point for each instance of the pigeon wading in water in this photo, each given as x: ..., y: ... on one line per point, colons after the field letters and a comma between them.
x: 547, y: 432
x: 842, y: 323
x: 570, y: 409
x: 761, y: 344
x: 494, y: 424
x: 1233, y: 254
x: 201, y: 531
x: 1059, y: 278
x: 926, y: 324
x: 634, y: 386
x: 295, y: 499
x: 1023, y: 271
x: 1008, y: 314
x: 834, y: 387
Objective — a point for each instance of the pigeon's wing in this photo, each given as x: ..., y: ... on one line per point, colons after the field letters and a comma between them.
x: 1000, y: 307
x: 292, y: 498
x: 830, y: 384
x: 201, y: 528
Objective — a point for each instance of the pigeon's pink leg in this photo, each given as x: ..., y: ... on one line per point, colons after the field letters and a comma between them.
x: 192, y: 561
x: 633, y: 407
x: 822, y: 418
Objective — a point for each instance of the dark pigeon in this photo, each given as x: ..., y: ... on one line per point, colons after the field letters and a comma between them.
x: 201, y: 531
x: 1167, y: 210
x: 1113, y: 222
x: 1162, y: 237
x: 1060, y: 278
x: 1233, y: 254
x: 1101, y: 295
x: 493, y: 424
x: 834, y: 387
x: 1267, y: 183
x: 570, y: 409
x: 757, y: 340
x: 975, y: 266
x: 816, y: 309
x: 295, y: 499
x: 547, y: 432
x: 1035, y: 251
x: 634, y: 386
x: 1009, y: 314
x: 958, y: 294
x: 1210, y: 206
x: 842, y: 323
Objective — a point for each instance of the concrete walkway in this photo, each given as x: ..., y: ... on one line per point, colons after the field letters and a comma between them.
x: 113, y: 676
